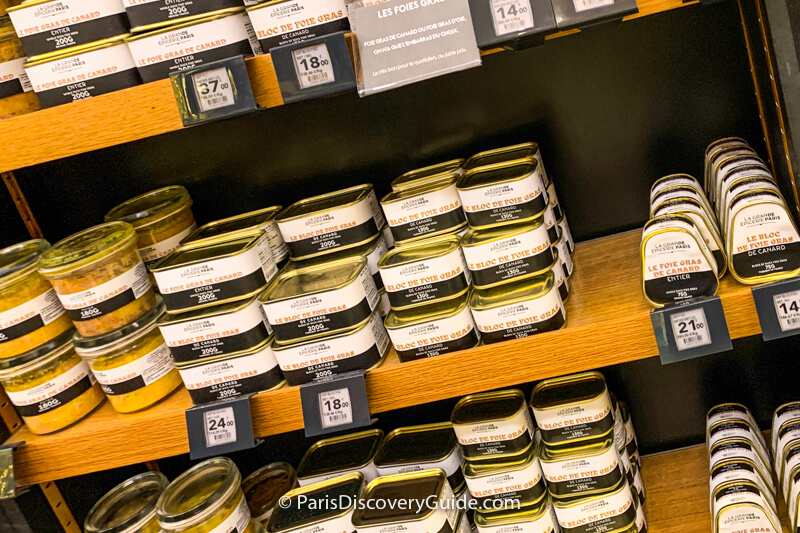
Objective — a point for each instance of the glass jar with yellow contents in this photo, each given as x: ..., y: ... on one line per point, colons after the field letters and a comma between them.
x: 130, y: 507
x: 133, y: 363
x: 207, y: 498
x: 30, y: 312
x: 51, y: 386
x: 161, y: 218
x: 99, y: 278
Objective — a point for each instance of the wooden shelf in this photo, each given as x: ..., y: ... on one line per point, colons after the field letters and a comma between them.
x: 144, y: 111
x: 606, y: 301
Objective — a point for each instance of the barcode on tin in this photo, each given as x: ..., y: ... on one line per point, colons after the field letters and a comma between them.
x: 585, y: 5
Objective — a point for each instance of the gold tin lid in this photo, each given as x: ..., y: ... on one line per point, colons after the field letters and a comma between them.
x: 420, y: 251
x: 427, y: 174
x: 20, y: 259
x: 556, y: 393
x: 514, y: 291
x: 513, y: 517
x: 414, y: 486
x: 501, y: 155
x: 195, y: 253
x: 485, y: 406
x: 73, y: 51
x: 621, y: 486
x: 580, y: 450
x: 86, y: 247
x: 168, y: 319
x: 417, y: 444
x: 520, y: 461
x: 479, y: 236
x: 296, y: 515
x: 151, y: 207
x: 263, y: 345
x: 724, y: 140
x: 156, y: 29
x: 325, y: 202
x: 313, y: 280
x: 340, y: 454
x: 426, y: 313
x: 442, y: 182
x: 362, y: 251
x: 232, y: 226
x: 502, y: 172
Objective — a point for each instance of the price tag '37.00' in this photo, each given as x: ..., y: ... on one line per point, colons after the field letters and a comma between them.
x: 313, y: 66
x: 335, y: 407
x: 213, y: 89
x: 690, y: 329
x: 510, y: 16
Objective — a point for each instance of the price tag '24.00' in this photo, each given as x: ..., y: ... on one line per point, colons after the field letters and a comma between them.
x: 690, y: 329
x: 220, y: 427
x: 511, y: 16
x: 313, y: 66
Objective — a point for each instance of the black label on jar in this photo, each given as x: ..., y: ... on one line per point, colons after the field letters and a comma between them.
x: 20, y: 330
x: 54, y: 402
x: 105, y: 307
x: 304, y: 34
x: 767, y: 260
x: 578, y: 431
x: 80, y: 90
x: 332, y: 240
x: 318, y: 372
x: 522, y: 496
x: 426, y: 226
x: 428, y: 292
x: 75, y: 34
x: 10, y: 88
x: 507, y: 213
x: 324, y: 323
x: 670, y: 289
x: 124, y: 387
x: 498, y: 447
x: 431, y: 350
x: 158, y: 11
x: 513, y: 269
x: 162, y: 69
x: 221, y: 345
x: 237, y: 387
x: 215, y: 292
x: 555, y: 322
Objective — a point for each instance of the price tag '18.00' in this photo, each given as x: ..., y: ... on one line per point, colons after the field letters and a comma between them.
x: 690, y: 329
x: 586, y: 5
x: 213, y: 88
x: 335, y: 407
x: 787, y: 306
x: 220, y: 426
x: 511, y: 16
x: 313, y: 66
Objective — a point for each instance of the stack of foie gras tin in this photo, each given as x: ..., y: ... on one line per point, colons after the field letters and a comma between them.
x: 593, y: 477
x: 742, y: 491
x: 324, y: 305
x: 785, y: 444
x: 214, y: 324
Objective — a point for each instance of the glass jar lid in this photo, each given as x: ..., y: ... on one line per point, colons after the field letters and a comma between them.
x: 127, y: 507
x: 263, y: 487
x: 39, y: 356
x: 85, y: 247
x: 20, y: 259
x: 198, y: 493
x: 151, y: 207
x: 90, y: 347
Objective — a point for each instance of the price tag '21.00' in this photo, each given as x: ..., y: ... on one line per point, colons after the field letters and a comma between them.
x: 213, y: 88
x: 313, y: 66
x: 510, y: 16
x: 690, y: 329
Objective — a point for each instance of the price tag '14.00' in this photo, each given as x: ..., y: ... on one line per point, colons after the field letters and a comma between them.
x: 335, y: 407
x: 787, y: 306
x: 220, y: 426
x: 511, y: 16
x: 690, y: 329
x: 313, y: 66
x: 213, y: 88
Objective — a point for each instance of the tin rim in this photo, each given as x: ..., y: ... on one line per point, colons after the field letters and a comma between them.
x: 527, y: 457
x: 376, y: 434
x: 180, y: 317
x: 355, y: 266
x: 344, y: 479
x: 400, y: 432
x: 515, y: 291
x: 470, y: 163
x: 106, y: 508
x: 440, y: 184
x: 528, y: 163
x: 286, y: 215
x: 196, y: 235
x: 360, y: 250
x: 427, y: 312
x: 452, y: 242
x: 85, y: 248
x: 446, y: 231
x: 151, y: 207
x: 41, y: 59
x: 479, y: 236
x: 375, y: 484
x: 515, y: 516
x: 248, y: 241
x: 189, y: 21
x: 410, y: 178
x: 281, y: 346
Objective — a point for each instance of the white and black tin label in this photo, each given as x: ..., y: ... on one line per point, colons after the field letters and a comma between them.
x: 13, y: 79
x: 217, y: 335
x: 369, y: 471
x: 147, y: 12
x: 427, y: 280
x: 783, y: 414
x: 614, y: 512
x: 52, y: 394
x: 553, y: 198
x: 107, y: 297
x: 60, y: 24
x: 737, y: 493
x: 505, y: 202
x: 566, y: 234
x: 551, y: 223
x: 525, y: 485
x: 512, y: 257
x: 747, y: 517
x: 377, y: 211
x: 436, y: 337
x: 372, y: 261
x: 546, y: 523
x: 181, y: 49
x: 322, y: 359
x: 736, y: 449
x: 383, y: 304
x: 228, y: 378
x: 81, y: 76
x: 559, y: 271
x: 296, y: 318
x: 731, y: 411
x: 217, y: 280
x: 739, y: 471
x: 496, y: 437
x: 575, y: 421
x: 137, y: 374
x: 763, y: 241
x: 565, y: 257
x: 152, y: 253
x: 30, y: 316
x: 328, y: 230
x: 276, y: 244
x: 735, y: 429
x: 582, y: 475
x: 298, y: 20
x: 451, y: 465
x: 434, y: 212
x: 521, y: 319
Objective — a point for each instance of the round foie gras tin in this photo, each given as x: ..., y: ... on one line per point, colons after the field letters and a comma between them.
x: 493, y: 426
x: 740, y: 470
x: 677, y: 180
x: 320, y: 300
x: 738, y: 429
x: 335, y: 456
x: 789, y: 461
x: 676, y: 263
x: 415, y: 448
x: 420, y: 176
x: 723, y: 156
x: 610, y: 512
x: 681, y: 190
x: 361, y: 348
x: 432, y: 329
x: 539, y: 518
x: 707, y: 229
x: 783, y: 413
x: 746, y: 516
x: 564, y: 256
x: 740, y: 185
x: 82, y: 73
x: 425, y: 211
x: 502, y: 193
x: 49, y: 26
x: 321, y: 224
x: 295, y: 515
x: 728, y: 165
x: 147, y: 15
x: 500, y: 254
x: 714, y: 148
x: 762, y: 239
x: 572, y: 409
x: 735, y: 449
x: 428, y: 271
x: 518, y: 309
x: 580, y: 471
x: 282, y: 22
x: 200, y: 275
x: 740, y: 491
x: 560, y: 273
x: 191, y: 44
x: 517, y: 478
x: 218, y: 330
x: 236, y: 374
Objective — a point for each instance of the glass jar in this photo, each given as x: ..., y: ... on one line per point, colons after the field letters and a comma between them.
x: 99, y: 277
x: 130, y: 507
x: 133, y: 364
x: 20, y: 97
x: 161, y: 218
x: 30, y: 312
x: 207, y: 498
x: 51, y: 386
x: 265, y: 486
